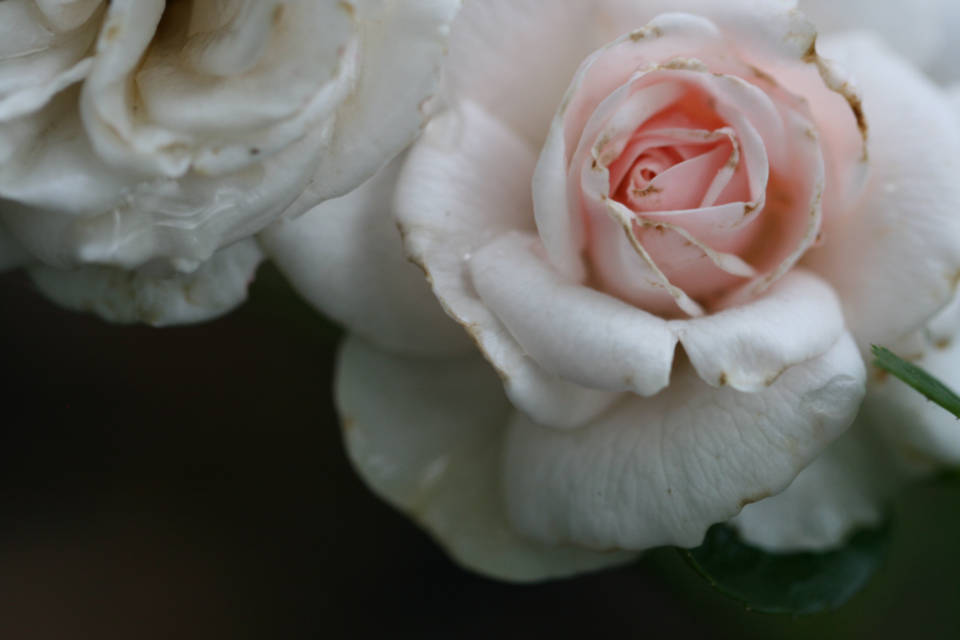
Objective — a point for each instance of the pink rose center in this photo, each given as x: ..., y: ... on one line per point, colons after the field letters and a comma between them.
x: 697, y: 189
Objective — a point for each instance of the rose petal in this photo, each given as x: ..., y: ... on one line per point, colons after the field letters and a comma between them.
x: 749, y: 346
x: 216, y: 88
x: 346, y: 258
x: 924, y: 435
x: 574, y: 332
x: 36, y: 62
x: 403, y: 46
x: 69, y: 208
x: 447, y: 209
x: 844, y: 489
x: 919, y: 38
x: 427, y: 435
x: 660, y: 470
x: 896, y: 261
x: 116, y: 295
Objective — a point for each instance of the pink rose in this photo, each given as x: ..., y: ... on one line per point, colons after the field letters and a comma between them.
x: 673, y: 236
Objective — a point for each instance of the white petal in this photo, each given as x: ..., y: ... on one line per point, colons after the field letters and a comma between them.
x: 749, y: 346
x: 661, y: 470
x: 465, y: 182
x: 116, y: 295
x: 943, y: 66
x: 498, y: 48
x: 403, y: 45
x: 427, y: 436
x: 69, y: 208
x: 897, y: 260
x: 915, y: 31
x: 923, y: 434
x: 572, y: 331
x: 346, y: 258
x: 217, y: 87
x: 844, y: 489
x: 37, y: 59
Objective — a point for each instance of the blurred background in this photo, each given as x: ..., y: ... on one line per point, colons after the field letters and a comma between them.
x: 191, y: 483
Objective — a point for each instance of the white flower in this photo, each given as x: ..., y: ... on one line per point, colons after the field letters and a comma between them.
x: 144, y: 143
x: 672, y: 254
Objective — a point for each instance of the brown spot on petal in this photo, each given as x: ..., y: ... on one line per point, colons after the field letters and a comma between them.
x: 646, y: 191
x: 645, y: 32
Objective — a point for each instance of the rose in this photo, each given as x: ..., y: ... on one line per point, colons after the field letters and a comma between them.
x: 143, y: 144
x: 630, y: 237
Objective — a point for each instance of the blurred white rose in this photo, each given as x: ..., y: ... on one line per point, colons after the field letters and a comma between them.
x: 144, y: 143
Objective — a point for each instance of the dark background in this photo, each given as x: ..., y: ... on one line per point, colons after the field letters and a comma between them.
x: 191, y: 483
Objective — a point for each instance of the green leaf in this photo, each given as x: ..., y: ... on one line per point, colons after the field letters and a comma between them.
x: 933, y: 389
x: 791, y: 583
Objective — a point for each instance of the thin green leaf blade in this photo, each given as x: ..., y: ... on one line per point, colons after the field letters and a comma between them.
x: 920, y: 380
x: 790, y: 583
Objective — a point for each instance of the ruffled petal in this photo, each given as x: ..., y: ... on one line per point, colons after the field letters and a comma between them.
x: 218, y: 87
x: 117, y: 295
x: 346, y: 258
x: 896, y: 260
x: 466, y: 182
x: 69, y: 208
x: 573, y: 332
x: 427, y: 436
x: 661, y: 470
x: 748, y: 347
x: 44, y: 47
x: 402, y: 49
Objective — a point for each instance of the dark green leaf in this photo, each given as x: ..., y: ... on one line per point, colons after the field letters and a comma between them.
x: 917, y: 378
x: 793, y: 583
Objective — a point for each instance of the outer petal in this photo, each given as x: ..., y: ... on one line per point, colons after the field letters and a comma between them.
x: 914, y: 31
x: 750, y: 346
x: 498, y: 46
x: 922, y: 434
x: 427, y: 435
x: 844, y: 489
x: 69, y: 208
x: 44, y: 47
x: 897, y: 260
x: 345, y: 256
x: 403, y: 44
x: 117, y: 295
x: 661, y: 470
x: 466, y: 182
x: 572, y: 331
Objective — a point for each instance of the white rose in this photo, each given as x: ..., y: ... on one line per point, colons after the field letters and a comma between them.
x: 144, y: 143
x: 673, y: 254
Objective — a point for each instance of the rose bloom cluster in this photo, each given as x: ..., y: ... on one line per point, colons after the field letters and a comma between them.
x: 144, y: 144
x: 653, y: 243
x: 622, y: 288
